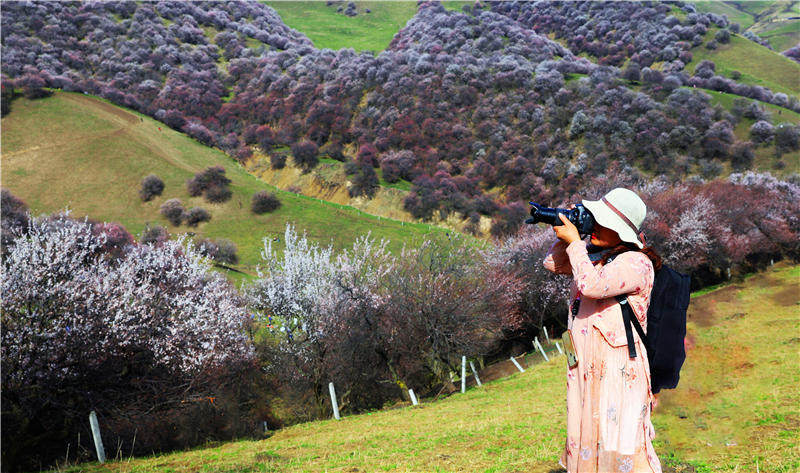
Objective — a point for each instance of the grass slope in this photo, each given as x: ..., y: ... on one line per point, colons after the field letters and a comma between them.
x: 328, y: 29
x: 80, y: 152
x: 757, y: 64
x: 736, y: 409
x: 774, y: 21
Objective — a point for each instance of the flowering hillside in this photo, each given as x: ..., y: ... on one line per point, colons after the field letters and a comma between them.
x: 477, y: 108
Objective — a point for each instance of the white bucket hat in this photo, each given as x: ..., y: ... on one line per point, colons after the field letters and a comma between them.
x: 620, y: 210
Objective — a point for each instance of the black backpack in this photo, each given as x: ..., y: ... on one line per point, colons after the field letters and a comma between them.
x: 666, y: 327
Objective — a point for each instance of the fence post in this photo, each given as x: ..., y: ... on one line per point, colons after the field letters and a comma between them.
x: 559, y: 348
x: 546, y: 336
x: 333, y: 401
x: 463, y: 374
x: 513, y: 360
x: 413, y: 397
x: 475, y: 372
x: 539, y: 346
x: 98, y: 441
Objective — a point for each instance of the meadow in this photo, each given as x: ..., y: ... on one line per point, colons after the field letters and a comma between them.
x: 735, y: 410
x: 82, y: 153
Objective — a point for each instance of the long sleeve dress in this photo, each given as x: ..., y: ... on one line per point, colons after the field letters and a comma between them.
x: 608, y: 394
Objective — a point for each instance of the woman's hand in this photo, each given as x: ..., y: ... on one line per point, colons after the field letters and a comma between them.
x: 567, y: 232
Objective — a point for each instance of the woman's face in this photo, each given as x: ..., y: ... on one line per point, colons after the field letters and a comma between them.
x: 604, y: 237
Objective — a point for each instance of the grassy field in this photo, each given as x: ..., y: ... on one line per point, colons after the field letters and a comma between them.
x: 765, y: 155
x: 757, y: 64
x: 769, y: 20
x: 80, y: 152
x: 328, y: 28
x: 737, y: 409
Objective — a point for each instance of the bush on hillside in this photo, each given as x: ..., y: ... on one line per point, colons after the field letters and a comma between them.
x: 173, y: 211
x: 152, y: 186
x: 761, y: 132
x: 196, y: 215
x: 363, y: 180
x: 742, y: 156
x: 787, y: 138
x: 264, y: 202
x: 211, y: 183
x: 217, y: 194
x: 306, y: 154
x: 154, y: 235
x: 13, y: 219
x: 115, y: 237
x: 277, y: 160
x: 220, y: 250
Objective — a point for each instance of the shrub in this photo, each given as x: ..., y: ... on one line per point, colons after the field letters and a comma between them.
x: 196, y: 215
x: 173, y: 211
x: 761, y: 132
x: 787, y: 138
x: 723, y: 36
x: 154, y: 235
x: 13, y: 218
x: 152, y: 186
x: 264, y: 202
x: 221, y: 250
x: 742, y: 155
x: 212, y: 183
x: 218, y: 194
x: 116, y: 239
x: 277, y: 160
x: 305, y: 154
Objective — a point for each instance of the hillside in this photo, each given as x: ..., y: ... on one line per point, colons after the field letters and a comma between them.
x: 82, y: 153
x: 736, y: 409
x: 371, y: 28
x: 475, y: 108
x: 776, y: 22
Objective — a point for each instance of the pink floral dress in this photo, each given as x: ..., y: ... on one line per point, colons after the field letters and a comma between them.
x: 608, y: 394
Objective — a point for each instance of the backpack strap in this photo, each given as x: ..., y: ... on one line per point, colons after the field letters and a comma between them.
x: 629, y: 319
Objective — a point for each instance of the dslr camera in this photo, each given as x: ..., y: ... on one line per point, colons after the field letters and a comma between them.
x: 579, y: 216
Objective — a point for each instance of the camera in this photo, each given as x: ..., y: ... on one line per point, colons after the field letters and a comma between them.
x: 579, y: 216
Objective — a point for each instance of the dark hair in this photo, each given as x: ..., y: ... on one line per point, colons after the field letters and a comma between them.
x: 648, y: 251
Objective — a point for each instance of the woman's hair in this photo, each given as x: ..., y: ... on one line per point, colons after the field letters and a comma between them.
x: 648, y: 251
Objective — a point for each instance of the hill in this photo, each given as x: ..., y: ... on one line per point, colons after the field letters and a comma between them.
x: 474, y: 109
x: 80, y: 152
x: 734, y: 410
x: 371, y: 28
x: 776, y: 22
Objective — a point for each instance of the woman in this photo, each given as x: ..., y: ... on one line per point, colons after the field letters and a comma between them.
x: 608, y: 394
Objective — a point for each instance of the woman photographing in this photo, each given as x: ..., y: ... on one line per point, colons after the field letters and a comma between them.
x: 609, y: 398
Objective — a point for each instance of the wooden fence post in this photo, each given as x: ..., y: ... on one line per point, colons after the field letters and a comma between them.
x: 98, y: 441
x: 333, y: 401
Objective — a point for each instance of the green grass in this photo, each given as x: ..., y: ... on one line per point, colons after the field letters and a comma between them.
x: 737, y: 404
x: 769, y: 20
x: 745, y: 19
x: 757, y: 64
x: 81, y: 152
x: 765, y: 155
x: 328, y: 29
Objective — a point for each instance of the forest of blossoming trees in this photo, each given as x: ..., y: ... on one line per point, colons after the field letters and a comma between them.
x: 478, y: 109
